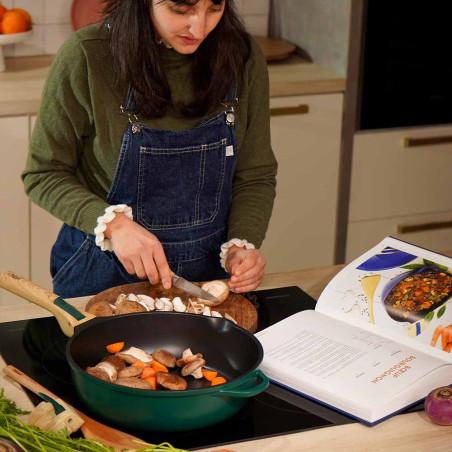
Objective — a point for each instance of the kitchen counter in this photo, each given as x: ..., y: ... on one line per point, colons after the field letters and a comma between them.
x: 22, y: 83
x: 405, y: 432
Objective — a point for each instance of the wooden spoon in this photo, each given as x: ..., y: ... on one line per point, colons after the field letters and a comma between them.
x: 91, y: 429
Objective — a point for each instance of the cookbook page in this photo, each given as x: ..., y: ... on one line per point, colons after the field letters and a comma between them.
x: 399, y: 289
x: 345, y: 365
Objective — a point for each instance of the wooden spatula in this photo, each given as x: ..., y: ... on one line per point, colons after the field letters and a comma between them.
x: 91, y: 429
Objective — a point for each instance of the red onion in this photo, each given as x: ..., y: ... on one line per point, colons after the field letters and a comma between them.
x: 438, y: 405
x: 8, y: 446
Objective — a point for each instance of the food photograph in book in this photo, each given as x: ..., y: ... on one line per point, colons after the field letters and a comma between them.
x: 400, y: 292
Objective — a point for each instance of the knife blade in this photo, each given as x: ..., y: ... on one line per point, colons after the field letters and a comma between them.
x: 192, y: 289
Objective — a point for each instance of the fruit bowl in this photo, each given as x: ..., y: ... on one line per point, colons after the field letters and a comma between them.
x: 13, y: 38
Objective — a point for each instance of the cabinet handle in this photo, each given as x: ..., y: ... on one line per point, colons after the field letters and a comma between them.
x: 404, y: 229
x: 412, y: 142
x: 285, y: 111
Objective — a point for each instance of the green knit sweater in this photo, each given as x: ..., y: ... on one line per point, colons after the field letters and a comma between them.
x: 77, y: 137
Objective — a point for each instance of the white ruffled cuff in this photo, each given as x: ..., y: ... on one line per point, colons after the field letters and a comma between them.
x: 110, y: 213
x: 237, y: 242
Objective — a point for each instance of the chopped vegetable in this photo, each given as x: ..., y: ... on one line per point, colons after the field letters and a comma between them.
x: 139, y: 363
x: 159, y: 367
x: 209, y: 374
x: 218, y: 381
x: 438, y: 405
x: 147, y: 372
x: 115, y: 348
x: 152, y: 381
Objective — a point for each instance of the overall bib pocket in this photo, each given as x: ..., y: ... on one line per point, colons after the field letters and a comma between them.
x: 180, y: 187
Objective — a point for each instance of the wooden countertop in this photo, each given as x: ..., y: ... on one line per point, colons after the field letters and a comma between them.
x: 404, y: 432
x: 22, y: 83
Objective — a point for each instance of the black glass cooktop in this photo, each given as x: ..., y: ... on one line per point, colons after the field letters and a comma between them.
x: 37, y: 348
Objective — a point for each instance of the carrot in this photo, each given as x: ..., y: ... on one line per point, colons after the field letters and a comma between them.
x: 448, y: 347
x: 209, y: 374
x: 158, y: 367
x: 139, y: 363
x: 115, y: 348
x: 147, y: 372
x: 151, y: 380
x: 437, y: 332
x: 218, y: 381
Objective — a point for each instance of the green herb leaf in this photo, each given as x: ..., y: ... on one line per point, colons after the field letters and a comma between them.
x: 440, y: 313
x: 412, y: 266
x: 429, y: 316
x: 442, y: 267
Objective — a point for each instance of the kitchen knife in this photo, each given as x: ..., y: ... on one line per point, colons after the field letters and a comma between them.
x: 192, y: 289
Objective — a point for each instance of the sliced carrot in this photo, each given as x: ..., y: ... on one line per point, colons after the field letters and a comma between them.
x: 448, y: 347
x: 151, y: 380
x: 115, y: 348
x: 209, y: 374
x: 139, y: 363
x: 437, y: 332
x: 147, y: 372
x: 158, y: 367
x: 218, y: 381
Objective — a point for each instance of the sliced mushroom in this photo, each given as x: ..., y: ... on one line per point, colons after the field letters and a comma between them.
x: 121, y: 297
x: 130, y: 372
x: 191, y: 367
x: 227, y: 316
x: 148, y: 302
x: 98, y: 373
x: 134, y: 354
x: 116, y: 361
x: 188, y: 359
x: 206, y: 311
x: 168, y: 305
x: 159, y: 304
x: 137, y: 383
x: 216, y: 314
x: 104, y: 371
x: 195, y: 307
x: 164, y: 357
x: 178, y: 304
x: 129, y: 307
x: 170, y: 381
x: 132, y: 297
x: 217, y: 288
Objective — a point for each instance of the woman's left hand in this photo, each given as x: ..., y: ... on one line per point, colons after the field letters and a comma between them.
x: 246, y: 268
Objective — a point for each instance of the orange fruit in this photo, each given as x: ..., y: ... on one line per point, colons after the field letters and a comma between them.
x: 2, y: 11
x: 13, y: 22
x: 25, y: 15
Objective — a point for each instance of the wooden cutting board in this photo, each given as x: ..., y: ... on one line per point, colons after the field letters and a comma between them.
x: 237, y: 306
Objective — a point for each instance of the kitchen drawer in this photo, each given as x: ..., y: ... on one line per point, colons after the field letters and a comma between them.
x: 305, y: 135
x: 362, y: 235
x: 391, y: 179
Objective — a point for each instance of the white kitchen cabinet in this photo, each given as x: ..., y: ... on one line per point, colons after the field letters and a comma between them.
x: 14, y: 226
x: 306, y: 137
x: 400, y: 181
x: 44, y: 229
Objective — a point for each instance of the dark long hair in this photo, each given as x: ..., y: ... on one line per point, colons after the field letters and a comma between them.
x: 218, y: 63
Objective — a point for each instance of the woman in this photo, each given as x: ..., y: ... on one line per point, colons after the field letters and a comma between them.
x: 152, y: 144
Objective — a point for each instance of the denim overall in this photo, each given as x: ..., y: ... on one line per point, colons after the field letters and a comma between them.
x: 179, y: 185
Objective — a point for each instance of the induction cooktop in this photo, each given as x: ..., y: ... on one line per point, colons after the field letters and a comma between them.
x: 37, y: 348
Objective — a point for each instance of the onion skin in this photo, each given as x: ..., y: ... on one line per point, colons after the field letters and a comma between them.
x: 438, y: 405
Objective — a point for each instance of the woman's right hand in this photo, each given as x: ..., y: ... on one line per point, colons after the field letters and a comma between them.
x: 139, y: 251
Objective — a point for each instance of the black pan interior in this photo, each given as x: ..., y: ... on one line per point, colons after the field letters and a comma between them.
x: 228, y: 349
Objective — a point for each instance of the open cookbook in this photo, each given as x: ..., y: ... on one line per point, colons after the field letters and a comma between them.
x: 379, y: 339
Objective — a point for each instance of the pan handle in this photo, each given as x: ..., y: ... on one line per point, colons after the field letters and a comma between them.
x: 248, y: 392
x: 67, y: 315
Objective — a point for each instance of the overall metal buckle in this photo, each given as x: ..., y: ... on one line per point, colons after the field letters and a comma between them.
x: 136, y: 128
x: 230, y: 115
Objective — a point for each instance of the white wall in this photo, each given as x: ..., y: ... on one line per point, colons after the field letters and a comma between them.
x: 52, y: 23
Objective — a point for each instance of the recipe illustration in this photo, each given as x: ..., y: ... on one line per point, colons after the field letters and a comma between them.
x: 397, y: 287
